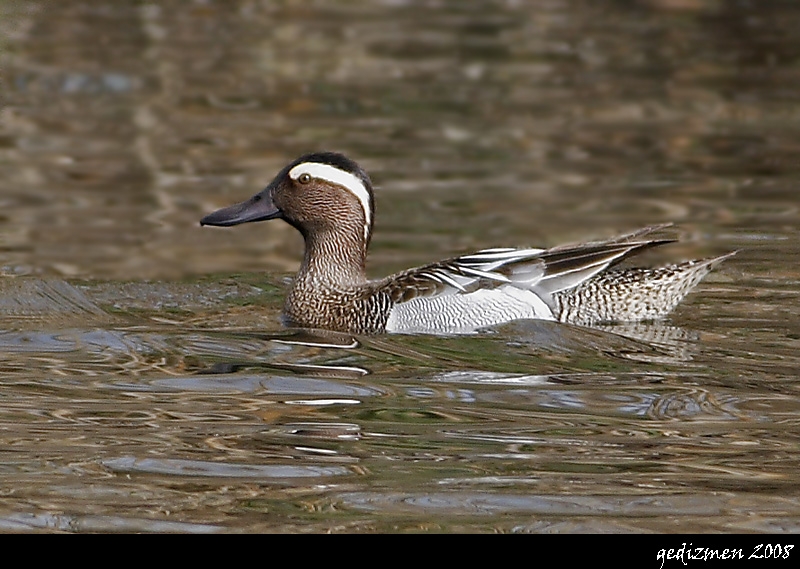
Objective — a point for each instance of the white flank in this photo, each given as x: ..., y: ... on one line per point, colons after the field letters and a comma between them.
x: 462, y: 313
x: 341, y: 178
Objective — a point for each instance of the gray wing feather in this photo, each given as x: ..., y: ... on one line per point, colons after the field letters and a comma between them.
x: 541, y: 271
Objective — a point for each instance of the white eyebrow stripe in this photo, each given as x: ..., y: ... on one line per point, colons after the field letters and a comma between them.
x: 348, y: 181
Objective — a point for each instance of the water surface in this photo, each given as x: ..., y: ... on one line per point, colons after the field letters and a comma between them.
x: 146, y: 384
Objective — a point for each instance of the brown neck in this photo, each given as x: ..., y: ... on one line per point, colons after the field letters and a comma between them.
x: 334, y: 257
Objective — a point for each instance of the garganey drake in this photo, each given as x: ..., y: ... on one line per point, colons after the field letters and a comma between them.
x: 329, y: 199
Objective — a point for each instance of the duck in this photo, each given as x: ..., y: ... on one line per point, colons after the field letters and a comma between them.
x: 330, y: 200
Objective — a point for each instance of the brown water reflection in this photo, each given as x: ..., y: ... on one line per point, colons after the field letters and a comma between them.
x: 145, y: 384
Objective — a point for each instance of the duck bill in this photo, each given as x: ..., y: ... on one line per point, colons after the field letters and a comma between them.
x: 258, y: 208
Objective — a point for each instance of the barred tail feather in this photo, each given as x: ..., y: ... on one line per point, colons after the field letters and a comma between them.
x: 629, y: 295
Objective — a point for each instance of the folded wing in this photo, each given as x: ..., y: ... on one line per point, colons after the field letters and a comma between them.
x: 498, y: 285
x: 543, y: 271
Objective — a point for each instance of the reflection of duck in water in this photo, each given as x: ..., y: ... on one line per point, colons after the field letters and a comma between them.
x: 329, y: 199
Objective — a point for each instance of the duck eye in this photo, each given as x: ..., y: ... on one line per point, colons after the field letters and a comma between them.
x: 304, y: 178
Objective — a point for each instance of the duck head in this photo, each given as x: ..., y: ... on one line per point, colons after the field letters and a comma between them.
x: 324, y: 194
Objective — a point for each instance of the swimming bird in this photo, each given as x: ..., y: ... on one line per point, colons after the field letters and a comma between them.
x: 329, y: 199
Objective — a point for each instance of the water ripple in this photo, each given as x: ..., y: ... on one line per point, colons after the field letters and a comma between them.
x: 178, y: 467
x: 90, y: 524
